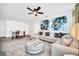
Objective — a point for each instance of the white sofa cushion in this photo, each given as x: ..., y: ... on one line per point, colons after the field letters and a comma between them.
x: 60, y: 50
x: 75, y: 44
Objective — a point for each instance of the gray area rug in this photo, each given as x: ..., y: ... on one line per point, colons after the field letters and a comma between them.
x: 16, y: 47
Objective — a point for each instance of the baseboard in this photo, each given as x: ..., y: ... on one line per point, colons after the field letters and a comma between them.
x: 3, y: 37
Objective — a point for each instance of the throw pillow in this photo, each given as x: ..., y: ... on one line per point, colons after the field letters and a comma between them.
x: 66, y: 42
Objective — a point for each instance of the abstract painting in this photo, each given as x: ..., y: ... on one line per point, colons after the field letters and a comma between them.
x: 45, y: 24
x: 58, y: 23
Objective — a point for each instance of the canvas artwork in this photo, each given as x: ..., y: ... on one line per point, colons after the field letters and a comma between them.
x: 59, y: 23
x: 45, y: 24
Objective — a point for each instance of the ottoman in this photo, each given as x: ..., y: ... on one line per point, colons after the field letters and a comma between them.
x: 34, y: 47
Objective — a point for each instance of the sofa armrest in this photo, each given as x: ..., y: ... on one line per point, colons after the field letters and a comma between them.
x: 60, y: 50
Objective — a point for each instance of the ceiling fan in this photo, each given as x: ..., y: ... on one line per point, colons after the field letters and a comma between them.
x: 35, y: 11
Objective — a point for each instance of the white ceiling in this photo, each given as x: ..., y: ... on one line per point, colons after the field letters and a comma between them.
x: 18, y: 11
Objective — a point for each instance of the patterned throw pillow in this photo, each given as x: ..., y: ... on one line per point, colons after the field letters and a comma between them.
x: 67, y: 40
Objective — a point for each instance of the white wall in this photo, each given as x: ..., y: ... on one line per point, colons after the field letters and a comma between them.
x: 2, y: 28
x: 15, y: 13
x: 67, y: 28
x: 32, y: 27
x: 36, y: 27
x: 14, y: 26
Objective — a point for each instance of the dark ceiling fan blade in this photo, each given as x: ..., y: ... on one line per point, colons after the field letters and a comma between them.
x: 38, y: 8
x: 29, y: 9
x: 40, y: 12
